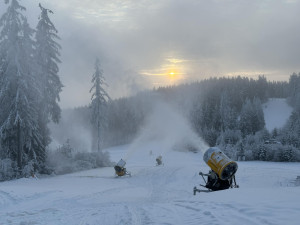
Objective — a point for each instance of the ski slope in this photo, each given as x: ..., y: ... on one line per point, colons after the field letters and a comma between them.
x: 154, y: 194
x: 276, y: 113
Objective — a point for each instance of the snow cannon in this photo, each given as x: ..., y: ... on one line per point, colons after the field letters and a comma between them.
x: 220, y: 163
x: 159, y: 160
x: 222, y: 173
x: 120, y: 169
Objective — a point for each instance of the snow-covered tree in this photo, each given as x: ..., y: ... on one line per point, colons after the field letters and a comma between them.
x: 228, y: 116
x: 262, y: 154
x: 99, y: 99
x: 261, y: 87
x: 47, y: 58
x: 252, y: 117
x: 291, y: 132
x: 259, y: 119
x: 19, y: 131
x: 294, y: 89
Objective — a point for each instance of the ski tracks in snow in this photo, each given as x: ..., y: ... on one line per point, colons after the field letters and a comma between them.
x: 153, y: 196
x: 216, y: 213
x: 6, y: 199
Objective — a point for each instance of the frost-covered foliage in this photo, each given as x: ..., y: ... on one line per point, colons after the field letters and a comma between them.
x: 290, y: 134
x: 251, y: 117
x: 23, y: 118
x: 47, y: 57
x: 66, y: 160
x: 19, y: 129
x: 8, y: 169
x: 28, y: 169
x: 260, y: 146
x: 294, y: 90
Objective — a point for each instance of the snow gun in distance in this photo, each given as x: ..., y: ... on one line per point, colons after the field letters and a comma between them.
x: 222, y: 173
x: 159, y: 160
x: 120, y: 169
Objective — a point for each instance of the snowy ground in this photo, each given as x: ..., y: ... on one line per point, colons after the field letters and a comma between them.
x: 154, y: 194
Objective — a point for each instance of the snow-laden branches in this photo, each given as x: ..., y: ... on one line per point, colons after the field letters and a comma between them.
x: 29, y: 86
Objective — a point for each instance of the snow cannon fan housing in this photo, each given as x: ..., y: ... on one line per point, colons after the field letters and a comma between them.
x: 220, y: 163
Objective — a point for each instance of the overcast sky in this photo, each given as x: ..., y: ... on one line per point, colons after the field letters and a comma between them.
x: 149, y: 43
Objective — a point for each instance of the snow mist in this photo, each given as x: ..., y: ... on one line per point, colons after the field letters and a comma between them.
x: 167, y: 130
x: 72, y: 127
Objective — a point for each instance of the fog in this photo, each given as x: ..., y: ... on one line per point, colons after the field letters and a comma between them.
x: 140, y: 42
x: 168, y: 130
x: 74, y: 128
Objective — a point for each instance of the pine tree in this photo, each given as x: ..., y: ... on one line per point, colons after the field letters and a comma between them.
x: 258, y: 115
x: 294, y: 88
x: 227, y: 114
x: 275, y: 133
x: 252, y: 117
x: 99, y: 99
x: 47, y: 58
x: 288, y: 154
x: 245, y: 118
x: 19, y: 130
x: 262, y: 154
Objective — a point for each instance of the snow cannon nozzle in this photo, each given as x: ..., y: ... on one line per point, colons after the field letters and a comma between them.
x: 121, y: 163
x: 220, y: 163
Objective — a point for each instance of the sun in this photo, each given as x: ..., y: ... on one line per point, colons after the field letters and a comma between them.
x: 172, y: 75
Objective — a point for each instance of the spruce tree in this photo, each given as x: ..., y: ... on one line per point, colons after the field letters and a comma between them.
x: 47, y: 57
x: 19, y: 131
x: 228, y: 116
x: 98, y: 106
x: 252, y: 117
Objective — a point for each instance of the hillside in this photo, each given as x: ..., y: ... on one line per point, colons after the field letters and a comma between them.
x: 154, y: 194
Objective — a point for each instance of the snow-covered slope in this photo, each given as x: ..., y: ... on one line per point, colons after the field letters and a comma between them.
x: 154, y: 194
x: 276, y: 112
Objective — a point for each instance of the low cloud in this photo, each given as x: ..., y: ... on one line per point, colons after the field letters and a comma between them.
x: 211, y: 38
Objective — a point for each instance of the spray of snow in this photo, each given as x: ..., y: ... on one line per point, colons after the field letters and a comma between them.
x: 169, y: 130
x: 73, y: 128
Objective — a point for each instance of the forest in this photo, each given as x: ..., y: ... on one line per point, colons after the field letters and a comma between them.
x: 225, y: 111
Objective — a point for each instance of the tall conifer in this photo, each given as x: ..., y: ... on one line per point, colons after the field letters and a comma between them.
x: 99, y: 102
x: 19, y: 130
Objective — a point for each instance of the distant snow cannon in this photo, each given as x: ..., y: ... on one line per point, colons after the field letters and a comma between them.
x: 120, y: 169
x: 222, y: 173
x: 159, y: 160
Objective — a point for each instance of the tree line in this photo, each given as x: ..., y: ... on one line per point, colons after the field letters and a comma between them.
x: 225, y: 112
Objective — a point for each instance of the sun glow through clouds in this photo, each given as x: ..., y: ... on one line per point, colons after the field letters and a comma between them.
x: 171, y: 75
x: 172, y: 72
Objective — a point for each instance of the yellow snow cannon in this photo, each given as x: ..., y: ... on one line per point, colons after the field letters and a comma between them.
x: 220, y: 163
x: 120, y: 169
x: 222, y: 173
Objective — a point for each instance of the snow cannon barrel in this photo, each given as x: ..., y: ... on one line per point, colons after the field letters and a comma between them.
x: 121, y: 163
x: 220, y: 163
